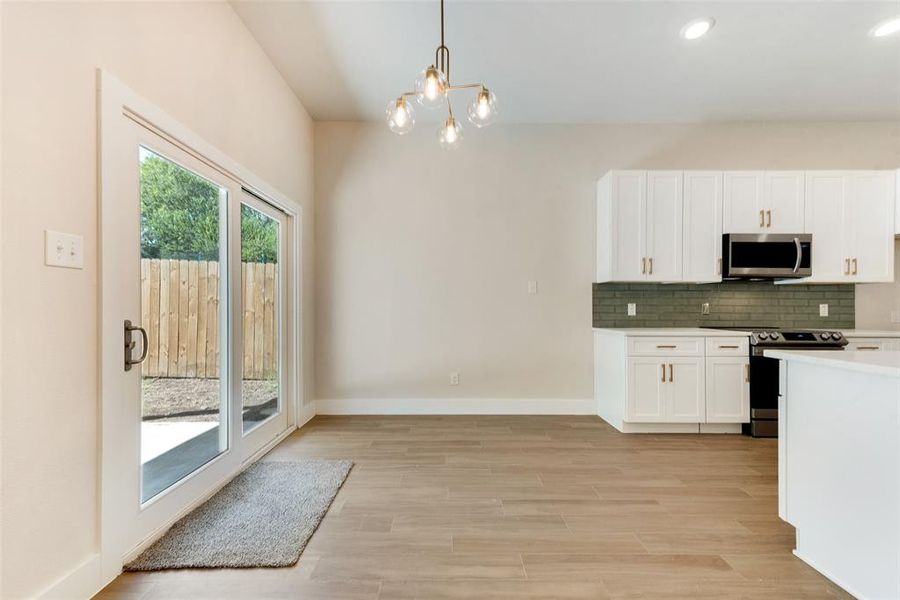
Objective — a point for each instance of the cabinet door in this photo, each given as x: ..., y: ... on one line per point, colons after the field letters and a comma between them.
x: 784, y: 201
x: 870, y: 212
x: 664, y: 217
x: 686, y: 396
x: 646, y: 389
x: 743, y: 209
x: 825, y: 220
x: 702, y: 227
x: 727, y: 390
x: 629, y: 209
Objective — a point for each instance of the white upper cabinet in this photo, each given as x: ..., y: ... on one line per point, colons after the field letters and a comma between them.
x: 744, y: 210
x: 702, y: 227
x: 667, y: 226
x: 639, y: 226
x: 763, y: 202
x: 664, y: 214
x: 850, y: 216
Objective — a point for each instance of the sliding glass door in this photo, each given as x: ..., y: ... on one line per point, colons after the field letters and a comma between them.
x: 197, y: 338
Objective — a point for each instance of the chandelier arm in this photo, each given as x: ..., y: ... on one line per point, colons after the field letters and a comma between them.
x: 465, y: 86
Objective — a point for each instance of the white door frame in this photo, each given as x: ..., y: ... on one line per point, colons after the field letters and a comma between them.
x: 117, y: 104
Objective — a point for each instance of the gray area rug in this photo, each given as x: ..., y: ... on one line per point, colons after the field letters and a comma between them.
x: 263, y: 518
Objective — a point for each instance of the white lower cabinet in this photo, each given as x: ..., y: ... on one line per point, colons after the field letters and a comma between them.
x: 856, y: 344
x: 665, y: 390
x: 727, y: 389
x: 671, y: 384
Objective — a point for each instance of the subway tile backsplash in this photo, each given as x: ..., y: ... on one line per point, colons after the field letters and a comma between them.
x: 731, y: 304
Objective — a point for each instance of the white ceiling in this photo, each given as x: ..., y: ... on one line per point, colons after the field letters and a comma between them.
x: 592, y: 62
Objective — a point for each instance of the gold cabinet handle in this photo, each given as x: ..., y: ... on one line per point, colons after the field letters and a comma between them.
x: 643, y: 265
x: 663, y: 372
x: 661, y: 347
x: 747, y: 373
x: 846, y: 266
x: 650, y: 260
x: 728, y: 347
x: 868, y: 347
x: 768, y: 218
x: 855, y: 266
x: 719, y: 267
x: 671, y: 373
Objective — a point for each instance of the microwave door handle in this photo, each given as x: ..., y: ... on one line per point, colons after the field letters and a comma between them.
x: 799, y: 254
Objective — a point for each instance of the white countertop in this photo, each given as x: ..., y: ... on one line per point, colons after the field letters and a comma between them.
x: 870, y: 333
x: 673, y: 331
x: 876, y: 363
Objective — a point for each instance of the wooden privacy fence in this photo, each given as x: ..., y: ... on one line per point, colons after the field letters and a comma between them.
x: 181, y: 311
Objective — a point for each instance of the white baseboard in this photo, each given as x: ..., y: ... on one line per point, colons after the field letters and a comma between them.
x: 80, y: 582
x: 307, y: 412
x: 456, y: 406
x: 835, y: 580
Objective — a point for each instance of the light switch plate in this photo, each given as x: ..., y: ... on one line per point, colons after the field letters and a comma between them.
x: 823, y: 310
x: 454, y: 378
x: 632, y: 309
x: 63, y: 250
x: 532, y: 287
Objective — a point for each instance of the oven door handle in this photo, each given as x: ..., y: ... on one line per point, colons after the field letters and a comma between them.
x: 799, y: 254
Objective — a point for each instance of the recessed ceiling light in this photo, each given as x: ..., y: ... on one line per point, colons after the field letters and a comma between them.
x: 887, y: 28
x: 697, y: 28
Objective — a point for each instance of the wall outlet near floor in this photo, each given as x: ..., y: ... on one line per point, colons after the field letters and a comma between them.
x: 454, y: 378
x: 632, y: 309
x: 704, y: 308
x: 823, y: 310
x: 532, y: 288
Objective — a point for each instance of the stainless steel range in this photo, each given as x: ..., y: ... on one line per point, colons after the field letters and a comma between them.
x: 764, y: 371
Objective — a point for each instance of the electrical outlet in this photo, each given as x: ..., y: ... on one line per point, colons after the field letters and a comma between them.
x: 63, y: 250
x: 532, y: 287
x: 632, y: 309
x: 704, y: 308
x: 454, y: 378
x: 823, y: 310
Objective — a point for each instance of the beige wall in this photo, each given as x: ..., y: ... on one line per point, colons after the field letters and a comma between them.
x: 424, y: 256
x: 197, y: 62
x: 876, y: 301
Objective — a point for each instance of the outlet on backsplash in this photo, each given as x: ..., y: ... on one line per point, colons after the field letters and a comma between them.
x: 704, y: 308
x: 632, y: 309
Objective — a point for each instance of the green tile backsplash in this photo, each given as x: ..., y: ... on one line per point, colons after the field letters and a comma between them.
x: 731, y: 304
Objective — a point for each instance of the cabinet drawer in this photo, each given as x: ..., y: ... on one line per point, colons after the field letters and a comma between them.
x: 727, y: 346
x: 665, y: 346
x: 864, y: 344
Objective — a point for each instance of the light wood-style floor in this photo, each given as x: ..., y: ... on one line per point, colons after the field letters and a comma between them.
x: 526, y: 507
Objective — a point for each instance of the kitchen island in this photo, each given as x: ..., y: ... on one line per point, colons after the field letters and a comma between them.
x: 839, y: 465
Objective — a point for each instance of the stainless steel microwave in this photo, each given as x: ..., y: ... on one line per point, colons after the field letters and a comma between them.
x: 766, y: 255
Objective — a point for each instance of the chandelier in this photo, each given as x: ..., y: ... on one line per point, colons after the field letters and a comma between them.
x: 433, y: 87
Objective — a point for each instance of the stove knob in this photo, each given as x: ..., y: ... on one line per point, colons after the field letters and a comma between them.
x: 824, y: 335
x: 836, y: 336
x: 763, y: 336
x: 774, y: 335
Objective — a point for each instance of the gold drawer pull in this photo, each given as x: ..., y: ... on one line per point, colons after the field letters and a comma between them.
x: 747, y: 373
x: 730, y: 347
x: 666, y: 347
x: 868, y: 347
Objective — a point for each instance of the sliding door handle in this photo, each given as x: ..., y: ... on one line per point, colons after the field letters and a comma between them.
x: 130, y: 343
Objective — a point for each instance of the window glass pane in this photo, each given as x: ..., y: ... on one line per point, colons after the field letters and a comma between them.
x: 260, y: 279
x: 183, y: 399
